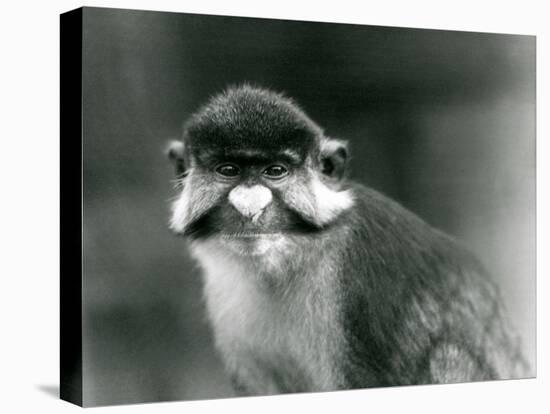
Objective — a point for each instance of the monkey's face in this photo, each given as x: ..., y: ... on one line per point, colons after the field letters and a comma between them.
x: 256, y: 173
x: 246, y: 208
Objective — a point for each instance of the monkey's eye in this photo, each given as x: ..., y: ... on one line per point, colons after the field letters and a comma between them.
x: 275, y: 172
x: 228, y: 170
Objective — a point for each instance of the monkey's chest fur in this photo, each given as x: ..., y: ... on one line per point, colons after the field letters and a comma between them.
x: 277, y: 331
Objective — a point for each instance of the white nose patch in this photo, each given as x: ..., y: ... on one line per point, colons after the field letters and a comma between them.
x: 250, y: 201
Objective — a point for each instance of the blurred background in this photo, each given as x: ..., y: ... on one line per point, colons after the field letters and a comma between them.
x: 443, y: 122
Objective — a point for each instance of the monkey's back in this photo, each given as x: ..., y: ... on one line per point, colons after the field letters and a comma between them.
x: 417, y: 306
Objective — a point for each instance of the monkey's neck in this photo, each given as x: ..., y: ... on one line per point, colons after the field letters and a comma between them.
x: 280, y: 310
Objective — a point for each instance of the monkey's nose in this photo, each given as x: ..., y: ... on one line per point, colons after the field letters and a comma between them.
x: 250, y: 201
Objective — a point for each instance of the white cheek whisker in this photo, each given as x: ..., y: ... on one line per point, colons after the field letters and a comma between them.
x: 178, y: 183
x: 329, y: 203
x: 172, y: 199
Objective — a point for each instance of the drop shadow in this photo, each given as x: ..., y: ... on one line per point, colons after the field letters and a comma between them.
x: 49, y: 389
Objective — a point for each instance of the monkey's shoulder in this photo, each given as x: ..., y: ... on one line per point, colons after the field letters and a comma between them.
x: 389, y: 250
x: 395, y: 236
x: 407, y: 287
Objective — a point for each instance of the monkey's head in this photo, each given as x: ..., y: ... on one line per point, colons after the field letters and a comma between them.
x: 255, y: 171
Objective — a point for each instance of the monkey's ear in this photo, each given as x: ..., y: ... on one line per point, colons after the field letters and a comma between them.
x: 176, y: 151
x: 334, y: 157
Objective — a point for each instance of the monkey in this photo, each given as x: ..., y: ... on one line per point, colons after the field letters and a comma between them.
x: 315, y: 282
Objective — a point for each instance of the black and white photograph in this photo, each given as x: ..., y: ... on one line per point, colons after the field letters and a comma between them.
x: 274, y: 206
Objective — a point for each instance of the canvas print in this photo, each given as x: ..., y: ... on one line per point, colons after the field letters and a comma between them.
x: 258, y: 206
